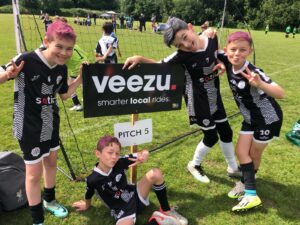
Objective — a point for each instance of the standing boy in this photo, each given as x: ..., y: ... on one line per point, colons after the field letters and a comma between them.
x: 254, y: 93
x: 125, y: 200
x: 36, y: 114
x: 205, y: 107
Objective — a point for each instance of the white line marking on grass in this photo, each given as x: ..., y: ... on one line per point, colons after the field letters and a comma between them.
x: 289, y: 68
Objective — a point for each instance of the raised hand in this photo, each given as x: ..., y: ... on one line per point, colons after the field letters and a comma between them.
x: 253, y: 78
x: 220, y: 67
x: 14, y: 70
x: 141, y: 157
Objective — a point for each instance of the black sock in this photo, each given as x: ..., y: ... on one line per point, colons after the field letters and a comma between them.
x: 242, y: 178
x: 161, y: 193
x: 248, y: 175
x: 49, y: 194
x: 37, y: 213
x: 75, y: 100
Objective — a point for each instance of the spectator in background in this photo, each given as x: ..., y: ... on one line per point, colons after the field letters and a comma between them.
x: 287, y: 31
x: 267, y: 29
x: 294, y: 31
x: 47, y: 21
x: 122, y: 19
x: 88, y: 21
x: 94, y: 17
x: 77, y: 21
x: 153, y: 23
x: 142, y: 22
x: 114, y: 22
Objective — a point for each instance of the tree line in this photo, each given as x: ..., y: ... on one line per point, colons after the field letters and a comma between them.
x: 255, y: 13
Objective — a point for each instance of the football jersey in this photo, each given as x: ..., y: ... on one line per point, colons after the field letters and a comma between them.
x: 36, y: 112
x: 254, y: 104
x: 104, y: 43
x: 112, y: 187
x: 202, y: 83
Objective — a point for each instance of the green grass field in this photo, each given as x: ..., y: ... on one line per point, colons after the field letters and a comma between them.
x: 278, y: 180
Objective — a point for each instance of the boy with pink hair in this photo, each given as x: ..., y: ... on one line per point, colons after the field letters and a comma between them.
x: 39, y: 76
x: 254, y: 93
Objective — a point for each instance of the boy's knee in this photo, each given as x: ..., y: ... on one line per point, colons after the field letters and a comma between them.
x: 155, y: 174
x: 50, y: 163
x: 210, y: 139
x: 255, y: 155
x: 33, y: 178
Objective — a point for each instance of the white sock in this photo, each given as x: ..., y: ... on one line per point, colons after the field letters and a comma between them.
x: 228, y: 152
x: 200, y: 152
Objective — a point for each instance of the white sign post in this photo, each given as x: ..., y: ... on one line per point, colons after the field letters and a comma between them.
x: 134, y: 134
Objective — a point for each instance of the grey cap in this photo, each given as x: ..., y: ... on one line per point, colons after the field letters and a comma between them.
x: 173, y: 26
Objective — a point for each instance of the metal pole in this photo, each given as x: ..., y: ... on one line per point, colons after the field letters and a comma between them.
x: 133, y: 149
x: 15, y: 5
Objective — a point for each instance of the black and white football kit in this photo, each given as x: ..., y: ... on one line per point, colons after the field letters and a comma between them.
x: 103, y: 45
x: 112, y: 188
x: 202, y: 92
x: 36, y: 113
x: 262, y: 114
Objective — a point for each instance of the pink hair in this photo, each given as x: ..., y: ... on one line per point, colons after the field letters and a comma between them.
x: 61, y: 30
x: 106, y: 141
x: 239, y: 35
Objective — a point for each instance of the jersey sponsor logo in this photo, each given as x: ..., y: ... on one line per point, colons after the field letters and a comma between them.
x: 126, y: 196
x: 58, y: 79
x: 208, y: 77
x: 35, y: 151
x: 35, y: 77
x: 206, y: 122
x: 45, y: 100
x: 194, y: 65
x: 241, y: 84
x: 118, y: 177
x: 134, y: 83
x: 117, y: 194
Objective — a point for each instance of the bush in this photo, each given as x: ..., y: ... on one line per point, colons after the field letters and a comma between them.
x: 78, y: 12
x: 6, y: 9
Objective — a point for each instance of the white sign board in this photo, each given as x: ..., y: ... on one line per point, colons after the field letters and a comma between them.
x: 139, y: 133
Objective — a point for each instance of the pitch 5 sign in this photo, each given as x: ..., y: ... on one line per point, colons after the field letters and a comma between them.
x: 110, y: 90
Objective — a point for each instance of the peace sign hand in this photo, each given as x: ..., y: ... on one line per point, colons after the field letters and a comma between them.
x: 141, y: 157
x: 14, y: 70
x: 253, y: 78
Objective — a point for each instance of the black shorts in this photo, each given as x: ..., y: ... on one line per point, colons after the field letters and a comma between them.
x: 132, y: 208
x: 262, y: 133
x: 34, y: 152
